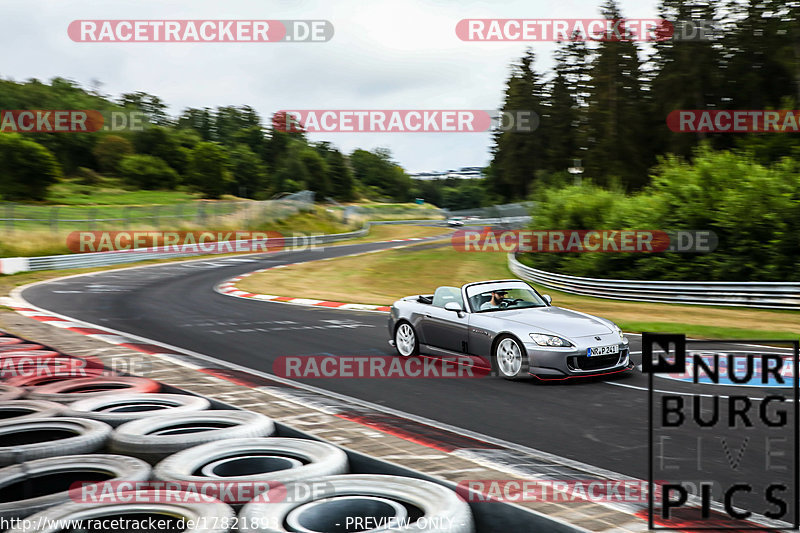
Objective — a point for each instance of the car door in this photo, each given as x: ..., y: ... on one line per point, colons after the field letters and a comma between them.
x: 482, y: 330
x: 442, y: 328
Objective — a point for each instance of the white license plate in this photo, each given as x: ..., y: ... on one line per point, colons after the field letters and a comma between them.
x: 602, y: 350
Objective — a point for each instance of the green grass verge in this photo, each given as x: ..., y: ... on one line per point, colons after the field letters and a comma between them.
x: 40, y: 242
x: 9, y: 282
x: 111, y: 192
x: 422, y: 268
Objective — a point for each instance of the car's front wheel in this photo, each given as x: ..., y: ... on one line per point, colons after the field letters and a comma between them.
x: 510, y: 357
x: 405, y: 340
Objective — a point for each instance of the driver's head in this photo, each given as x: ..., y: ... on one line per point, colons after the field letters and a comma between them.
x: 499, y: 295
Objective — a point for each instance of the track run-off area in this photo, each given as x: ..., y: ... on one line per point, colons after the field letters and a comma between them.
x: 598, y: 425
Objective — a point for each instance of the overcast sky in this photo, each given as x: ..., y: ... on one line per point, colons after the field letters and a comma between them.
x: 385, y: 54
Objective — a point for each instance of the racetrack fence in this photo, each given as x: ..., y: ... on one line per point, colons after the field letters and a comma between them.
x: 520, y: 209
x: 201, y: 213
x: 13, y: 265
x: 771, y: 295
x: 97, y: 259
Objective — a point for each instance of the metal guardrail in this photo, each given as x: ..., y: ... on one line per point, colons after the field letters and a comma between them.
x: 504, y: 210
x: 94, y: 259
x: 771, y: 295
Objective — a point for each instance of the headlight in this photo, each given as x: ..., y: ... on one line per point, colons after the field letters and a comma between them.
x: 621, y: 335
x: 549, y: 340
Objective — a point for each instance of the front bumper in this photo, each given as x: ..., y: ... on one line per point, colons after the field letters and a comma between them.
x: 550, y: 363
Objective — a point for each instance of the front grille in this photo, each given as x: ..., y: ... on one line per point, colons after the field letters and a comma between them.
x: 596, y: 363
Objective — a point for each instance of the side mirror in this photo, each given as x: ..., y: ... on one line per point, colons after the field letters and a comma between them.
x: 547, y: 299
x: 453, y: 306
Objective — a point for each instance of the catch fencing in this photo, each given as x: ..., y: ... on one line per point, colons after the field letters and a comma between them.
x: 201, y: 213
x: 13, y: 265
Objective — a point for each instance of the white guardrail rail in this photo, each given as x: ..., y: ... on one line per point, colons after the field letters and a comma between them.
x: 772, y: 295
x: 12, y: 265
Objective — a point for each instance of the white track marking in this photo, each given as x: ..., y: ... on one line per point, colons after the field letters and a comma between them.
x: 590, y: 469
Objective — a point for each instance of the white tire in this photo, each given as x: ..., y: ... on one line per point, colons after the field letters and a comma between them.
x: 154, y: 438
x: 206, y: 517
x: 116, y: 409
x: 16, y: 410
x: 37, y: 438
x: 37, y: 485
x: 326, y: 504
x: 7, y: 392
x: 273, y: 459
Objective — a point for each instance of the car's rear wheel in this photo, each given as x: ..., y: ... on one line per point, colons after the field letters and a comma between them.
x: 405, y: 340
x: 510, y: 357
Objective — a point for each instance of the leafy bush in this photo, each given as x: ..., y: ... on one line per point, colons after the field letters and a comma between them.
x: 110, y: 150
x: 147, y: 172
x: 87, y: 176
x: 208, y: 170
x: 249, y: 172
x: 754, y: 210
x: 317, y: 178
x: 27, y: 169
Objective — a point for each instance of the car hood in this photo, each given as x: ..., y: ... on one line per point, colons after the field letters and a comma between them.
x: 556, y: 320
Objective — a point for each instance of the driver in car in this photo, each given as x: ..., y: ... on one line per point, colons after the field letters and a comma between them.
x: 494, y: 303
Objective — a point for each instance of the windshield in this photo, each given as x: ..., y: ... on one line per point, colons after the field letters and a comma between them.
x: 487, y: 297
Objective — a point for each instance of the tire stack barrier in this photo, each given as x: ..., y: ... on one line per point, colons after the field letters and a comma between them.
x: 71, y: 390
x: 66, y: 437
x: 24, y: 409
x: 116, y: 409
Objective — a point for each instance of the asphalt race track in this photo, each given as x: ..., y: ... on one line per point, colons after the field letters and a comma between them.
x: 601, y: 422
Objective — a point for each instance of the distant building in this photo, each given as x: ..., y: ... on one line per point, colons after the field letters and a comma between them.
x: 464, y: 173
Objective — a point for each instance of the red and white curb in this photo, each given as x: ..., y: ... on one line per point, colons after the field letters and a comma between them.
x: 229, y: 288
x: 472, y: 446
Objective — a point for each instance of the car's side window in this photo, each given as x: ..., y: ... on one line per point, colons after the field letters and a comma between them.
x: 479, y: 299
x: 445, y: 295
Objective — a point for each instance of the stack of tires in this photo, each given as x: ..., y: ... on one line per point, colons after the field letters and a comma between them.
x: 106, y: 448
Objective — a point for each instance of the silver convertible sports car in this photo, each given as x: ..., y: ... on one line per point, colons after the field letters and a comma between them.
x: 512, y: 327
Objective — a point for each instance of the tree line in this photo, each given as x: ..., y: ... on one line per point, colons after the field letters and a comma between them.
x: 752, y: 209
x: 225, y: 150
x: 606, y: 103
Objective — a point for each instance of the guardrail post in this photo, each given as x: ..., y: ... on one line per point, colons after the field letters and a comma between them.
x: 54, y: 219
x: 10, y: 217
